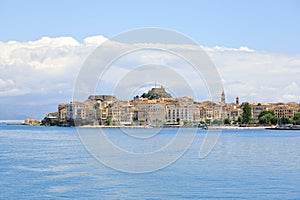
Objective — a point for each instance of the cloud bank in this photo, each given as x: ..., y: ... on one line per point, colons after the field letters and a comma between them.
x: 43, y: 72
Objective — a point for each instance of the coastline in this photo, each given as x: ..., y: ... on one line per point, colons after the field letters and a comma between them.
x: 207, y: 128
x: 236, y: 127
x: 102, y: 126
x: 222, y: 127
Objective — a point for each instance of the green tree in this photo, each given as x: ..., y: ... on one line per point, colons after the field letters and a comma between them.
x: 227, y: 121
x: 240, y: 119
x: 217, y: 121
x: 296, y: 118
x: 108, y: 122
x: 284, y: 120
x: 267, y: 117
x: 207, y: 121
x: 262, y: 113
x: 246, y: 116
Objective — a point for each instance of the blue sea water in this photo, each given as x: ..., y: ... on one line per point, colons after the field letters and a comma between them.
x: 52, y: 163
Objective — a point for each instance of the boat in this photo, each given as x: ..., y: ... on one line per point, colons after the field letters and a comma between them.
x: 285, y: 127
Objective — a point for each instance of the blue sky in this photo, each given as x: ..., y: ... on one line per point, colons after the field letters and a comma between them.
x: 266, y: 25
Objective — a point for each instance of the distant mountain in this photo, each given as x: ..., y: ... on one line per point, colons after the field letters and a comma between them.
x: 4, y: 115
x: 21, y: 112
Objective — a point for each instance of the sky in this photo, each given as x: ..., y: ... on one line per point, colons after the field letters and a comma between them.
x: 267, y: 25
x: 254, y: 44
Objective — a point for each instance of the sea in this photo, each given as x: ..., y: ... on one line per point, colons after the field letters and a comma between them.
x: 53, y: 163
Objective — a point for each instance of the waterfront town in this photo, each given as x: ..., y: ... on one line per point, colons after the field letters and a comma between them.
x: 157, y: 108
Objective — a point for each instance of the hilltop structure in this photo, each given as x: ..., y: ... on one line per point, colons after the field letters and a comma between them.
x: 156, y: 93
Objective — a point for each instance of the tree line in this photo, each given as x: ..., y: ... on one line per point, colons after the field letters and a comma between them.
x: 266, y: 117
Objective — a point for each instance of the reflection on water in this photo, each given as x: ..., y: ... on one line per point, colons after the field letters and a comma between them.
x: 50, y: 162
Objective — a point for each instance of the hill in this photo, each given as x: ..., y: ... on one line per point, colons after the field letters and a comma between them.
x: 156, y: 93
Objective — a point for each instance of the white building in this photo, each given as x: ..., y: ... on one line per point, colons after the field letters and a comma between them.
x: 76, y: 110
x: 179, y: 113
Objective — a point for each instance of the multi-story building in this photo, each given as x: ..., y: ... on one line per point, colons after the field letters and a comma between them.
x: 179, y: 113
x: 76, y: 110
x: 196, y: 113
x: 210, y: 111
x: 62, y: 112
x: 257, y: 108
x: 202, y: 114
x: 185, y: 100
x: 233, y: 112
x: 295, y: 106
x: 121, y: 113
x: 282, y: 110
x: 100, y: 105
x: 151, y: 112
x: 92, y: 109
x: 219, y: 111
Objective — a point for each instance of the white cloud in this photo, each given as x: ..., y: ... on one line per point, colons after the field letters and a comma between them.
x: 53, y: 42
x: 291, y: 92
x: 94, y: 40
x: 49, y: 63
x: 6, y: 83
x: 267, y: 75
x: 49, y: 66
x: 226, y: 49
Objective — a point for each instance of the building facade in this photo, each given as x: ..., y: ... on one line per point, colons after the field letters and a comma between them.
x: 257, y: 108
x: 151, y: 112
x: 284, y: 111
x: 76, y: 110
x: 179, y: 113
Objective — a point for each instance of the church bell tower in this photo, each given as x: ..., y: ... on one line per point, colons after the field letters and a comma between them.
x: 223, y: 97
